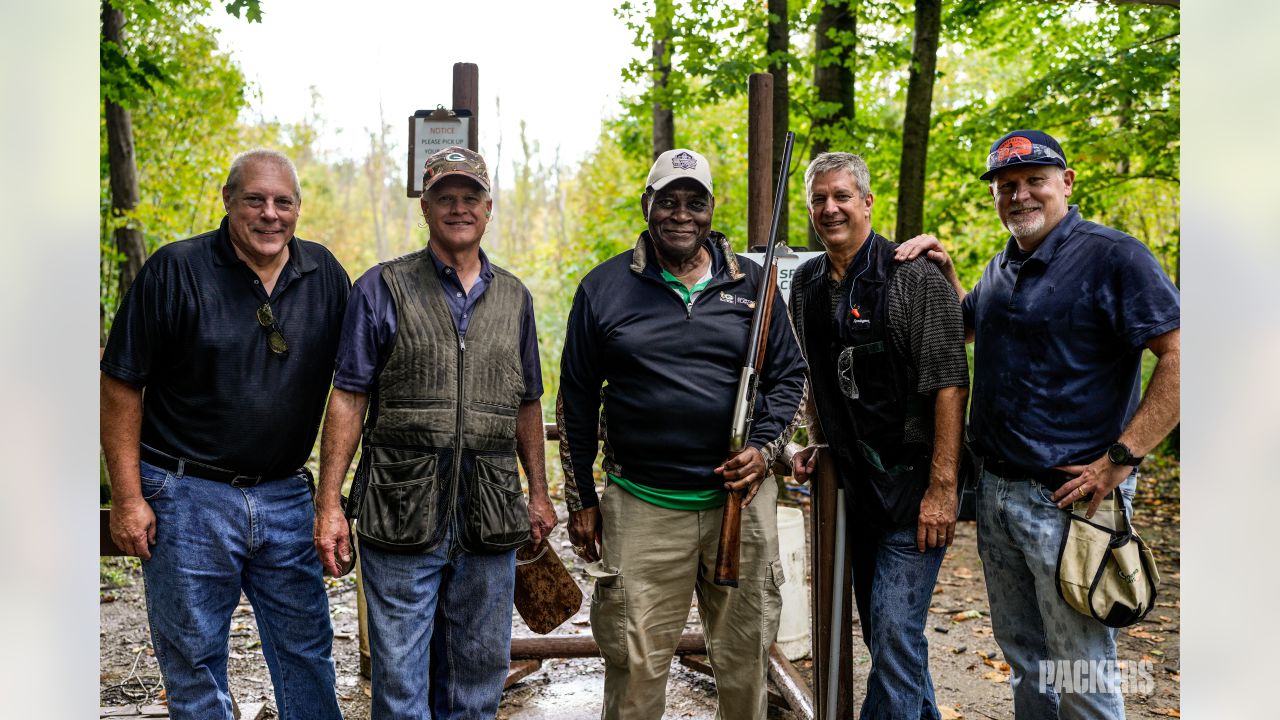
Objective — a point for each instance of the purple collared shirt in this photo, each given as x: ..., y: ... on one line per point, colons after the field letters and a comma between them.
x: 369, y: 327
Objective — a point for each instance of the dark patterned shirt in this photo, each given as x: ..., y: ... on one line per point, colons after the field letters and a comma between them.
x: 926, y: 329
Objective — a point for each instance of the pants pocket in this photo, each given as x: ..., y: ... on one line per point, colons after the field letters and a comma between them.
x: 498, y: 516
x: 399, y: 511
x: 609, y: 620
x: 771, y: 603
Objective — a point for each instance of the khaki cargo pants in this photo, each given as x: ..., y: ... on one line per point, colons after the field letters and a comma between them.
x: 653, y: 560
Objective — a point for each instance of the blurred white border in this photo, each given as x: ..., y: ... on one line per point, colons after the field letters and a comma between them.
x: 48, y: 322
x: 48, y: 369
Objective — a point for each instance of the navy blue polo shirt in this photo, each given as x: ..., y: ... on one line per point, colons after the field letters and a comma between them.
x: 369, y: 329
x: 187, y: 331
x: 1058, y: 339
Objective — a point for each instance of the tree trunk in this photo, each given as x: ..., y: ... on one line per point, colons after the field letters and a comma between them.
x: 915, y: 126
x: 664, y: 123
x: 778, y: 46
x: 122, y: 168
x: 833, y: 77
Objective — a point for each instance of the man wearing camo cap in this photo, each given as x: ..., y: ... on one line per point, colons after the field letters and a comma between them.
x: 439, y: 346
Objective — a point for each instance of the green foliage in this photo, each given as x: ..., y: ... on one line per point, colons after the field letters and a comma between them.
x: 252, y: 9
x: 184, y: 129
x: 116, y: 572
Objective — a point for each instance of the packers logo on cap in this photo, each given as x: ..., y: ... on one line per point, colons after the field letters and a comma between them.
x: 455, y: 157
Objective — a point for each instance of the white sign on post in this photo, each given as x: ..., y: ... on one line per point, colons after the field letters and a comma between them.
x: 788, y: 261
x: 430, y: 131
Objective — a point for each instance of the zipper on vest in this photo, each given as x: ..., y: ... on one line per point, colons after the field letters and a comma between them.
x: 457, y: 434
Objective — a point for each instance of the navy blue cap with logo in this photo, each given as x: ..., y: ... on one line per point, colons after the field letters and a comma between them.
x: 1024, y: 147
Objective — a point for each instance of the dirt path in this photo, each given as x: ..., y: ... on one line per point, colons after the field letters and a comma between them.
x: 970, y: 680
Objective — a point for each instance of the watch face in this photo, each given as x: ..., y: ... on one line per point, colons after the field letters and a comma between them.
x: 1118, y: 454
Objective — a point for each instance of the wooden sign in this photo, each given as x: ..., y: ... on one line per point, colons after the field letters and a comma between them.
x: 430, y: 131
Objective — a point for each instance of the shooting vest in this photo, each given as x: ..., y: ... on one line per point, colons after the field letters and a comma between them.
x: 885, y: 475
x: 441, y: 437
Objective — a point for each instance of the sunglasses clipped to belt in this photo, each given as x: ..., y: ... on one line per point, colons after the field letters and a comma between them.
x: 199, y: 469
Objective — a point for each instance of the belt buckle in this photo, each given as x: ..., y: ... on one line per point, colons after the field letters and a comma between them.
x: 243, y: 481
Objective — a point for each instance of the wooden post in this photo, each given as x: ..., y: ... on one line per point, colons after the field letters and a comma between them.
x: 466, y: 96
x: 362, y: 624
x: 822, y: 527
x: 760, y: 175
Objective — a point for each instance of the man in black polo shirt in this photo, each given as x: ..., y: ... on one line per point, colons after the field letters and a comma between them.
x: 1059, y: 321
x: 232, y: 334
x: 885, y: 347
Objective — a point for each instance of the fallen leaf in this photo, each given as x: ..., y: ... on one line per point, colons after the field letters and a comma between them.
x: 995, y: 676
x: 1166, y: 712
x: 963, y: 573
x: 949, y: 713
x: 966, y: 615
x: 1000, y: 665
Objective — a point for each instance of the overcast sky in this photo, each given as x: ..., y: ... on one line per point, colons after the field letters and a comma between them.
x: 554, y: 63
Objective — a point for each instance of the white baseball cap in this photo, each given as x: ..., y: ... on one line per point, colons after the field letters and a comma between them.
x: 679, y: 163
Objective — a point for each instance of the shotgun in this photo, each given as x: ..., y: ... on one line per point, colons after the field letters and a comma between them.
x: 745, y: 403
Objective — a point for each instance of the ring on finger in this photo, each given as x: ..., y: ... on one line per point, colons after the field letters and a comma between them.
x: 1080, y: 490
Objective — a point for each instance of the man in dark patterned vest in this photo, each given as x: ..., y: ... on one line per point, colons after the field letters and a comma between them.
x: 439, y: 347
x: 885, y: 346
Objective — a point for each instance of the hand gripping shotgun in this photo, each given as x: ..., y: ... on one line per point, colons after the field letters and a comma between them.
x: 745, y: 403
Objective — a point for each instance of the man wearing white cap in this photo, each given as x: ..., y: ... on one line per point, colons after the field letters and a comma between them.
x: 657, y: 335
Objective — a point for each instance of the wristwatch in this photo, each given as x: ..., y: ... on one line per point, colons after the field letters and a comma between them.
x: 1120, y: 454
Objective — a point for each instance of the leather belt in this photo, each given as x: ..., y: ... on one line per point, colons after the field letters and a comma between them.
x: 1050, y: 478
x: 199, y: 469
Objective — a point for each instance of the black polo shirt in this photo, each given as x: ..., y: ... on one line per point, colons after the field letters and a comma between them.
x: 187, y: 332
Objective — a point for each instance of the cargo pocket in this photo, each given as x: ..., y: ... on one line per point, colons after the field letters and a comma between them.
x: 498, y: 516
x: 609, y: 619
x: 399, y: 510
x: 771, y: 604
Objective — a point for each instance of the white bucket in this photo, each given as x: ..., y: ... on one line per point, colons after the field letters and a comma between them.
x: 793, y: 630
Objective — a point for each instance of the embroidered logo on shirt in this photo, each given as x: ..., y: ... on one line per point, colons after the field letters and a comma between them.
x: 731, y: 299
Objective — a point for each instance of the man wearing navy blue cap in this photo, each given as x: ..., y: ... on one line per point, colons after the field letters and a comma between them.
x: 1059, y: 320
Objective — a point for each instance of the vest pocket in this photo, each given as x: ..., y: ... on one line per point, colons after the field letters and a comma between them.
x: 498, y: 515
x: 399, y: 508
x: 898, y: 483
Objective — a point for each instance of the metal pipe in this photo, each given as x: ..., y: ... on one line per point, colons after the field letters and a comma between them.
x: 837, y: 605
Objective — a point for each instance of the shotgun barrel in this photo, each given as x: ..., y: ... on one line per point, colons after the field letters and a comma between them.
x: 745, y: 401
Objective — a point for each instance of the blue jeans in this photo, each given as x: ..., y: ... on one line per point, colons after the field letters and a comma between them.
x: 1019, y: 537
x: 893, y: 585
x: 212, y: 541
x: 439, y: 631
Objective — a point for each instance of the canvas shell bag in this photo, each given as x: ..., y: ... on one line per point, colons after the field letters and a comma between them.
x: 1104, y: 569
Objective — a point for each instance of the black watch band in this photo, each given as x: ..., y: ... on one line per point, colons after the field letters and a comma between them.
x: 1120, y: 454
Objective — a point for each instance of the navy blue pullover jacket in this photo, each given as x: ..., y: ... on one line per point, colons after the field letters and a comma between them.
x: 669, y: 373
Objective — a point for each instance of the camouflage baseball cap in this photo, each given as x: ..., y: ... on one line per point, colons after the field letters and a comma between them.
x: 455, y: 161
